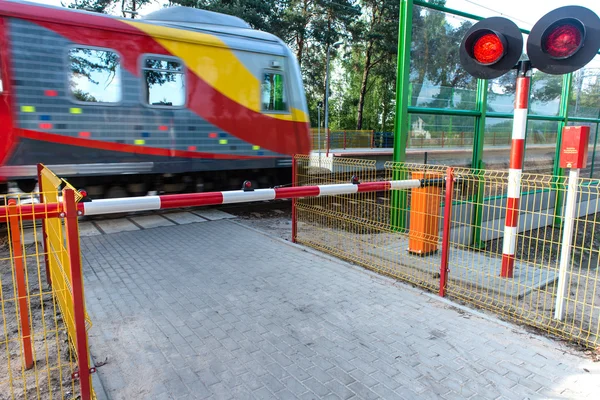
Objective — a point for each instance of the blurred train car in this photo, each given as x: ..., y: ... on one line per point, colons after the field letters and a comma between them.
x: 177, y: 101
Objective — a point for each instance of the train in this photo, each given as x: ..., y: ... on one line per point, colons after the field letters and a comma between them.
x: 179, y: 100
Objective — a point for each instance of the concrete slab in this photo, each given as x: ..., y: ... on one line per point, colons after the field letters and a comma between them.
x: 213, y: 214
x: 87, y: 228
x: 217, y: 310
x: 30, y: 236
x: 116, y: 225
x: 474, y: 269
x: 183, y: 218
x: 151, y: 221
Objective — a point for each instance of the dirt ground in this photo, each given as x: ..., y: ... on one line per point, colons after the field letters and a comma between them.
x: 50, y: 376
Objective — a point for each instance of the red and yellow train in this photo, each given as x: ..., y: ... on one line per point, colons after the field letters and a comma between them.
x: 170, y: 102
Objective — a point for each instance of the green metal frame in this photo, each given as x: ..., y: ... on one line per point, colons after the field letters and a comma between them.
x: 401, y: 122
x: 404, y: 109
x: 476, y: 162
x: 556, y: 170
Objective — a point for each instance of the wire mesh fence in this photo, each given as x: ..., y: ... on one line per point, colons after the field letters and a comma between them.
x: 400, y: 234
x: 343, y: 139
x: 41, y: 332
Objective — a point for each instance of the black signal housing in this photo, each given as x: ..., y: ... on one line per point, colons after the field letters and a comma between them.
x: 503, y: 52
x: 564, y: 40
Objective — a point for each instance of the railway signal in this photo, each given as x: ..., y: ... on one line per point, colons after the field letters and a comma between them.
x: 491, y: 48
x: 562, y: 41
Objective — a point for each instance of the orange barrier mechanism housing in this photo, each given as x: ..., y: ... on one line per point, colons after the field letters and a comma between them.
x: 425, y: 205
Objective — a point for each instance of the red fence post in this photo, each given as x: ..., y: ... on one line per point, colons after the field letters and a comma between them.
x: 446, y: 233
x: 72, y: 231
x: 15, y: 236
x: 40, y: 167
x: 294, y: 215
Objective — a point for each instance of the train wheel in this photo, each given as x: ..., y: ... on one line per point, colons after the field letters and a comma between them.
x: 27, y: 185
x: 115, y: 192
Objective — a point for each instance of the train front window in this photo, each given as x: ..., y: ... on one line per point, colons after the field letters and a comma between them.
x: 273, y: 92
x: 95, y: 75
x: 164, y: 82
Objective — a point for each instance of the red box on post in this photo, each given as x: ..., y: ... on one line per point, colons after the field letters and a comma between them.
x: 574, y: 146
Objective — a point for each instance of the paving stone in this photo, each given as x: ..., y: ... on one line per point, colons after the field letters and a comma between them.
x: 187, y: 308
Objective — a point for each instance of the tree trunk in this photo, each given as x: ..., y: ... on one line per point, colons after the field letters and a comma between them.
x: 302, y: 33
x: 363, y: 86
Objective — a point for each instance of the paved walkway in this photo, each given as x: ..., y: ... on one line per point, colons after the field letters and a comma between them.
x: 217, y: 310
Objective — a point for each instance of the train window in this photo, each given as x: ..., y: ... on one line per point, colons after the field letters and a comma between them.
x: 273, y: 92
x: 95, y: 75
x: 165, y: 82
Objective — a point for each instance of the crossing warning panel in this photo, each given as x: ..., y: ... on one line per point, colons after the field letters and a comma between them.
x: 574, y: 147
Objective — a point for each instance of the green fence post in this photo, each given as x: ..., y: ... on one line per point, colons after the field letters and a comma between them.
x: 594, y: 151
x: 401, y: 122
x: 476, y: 162
x: 557, y: 172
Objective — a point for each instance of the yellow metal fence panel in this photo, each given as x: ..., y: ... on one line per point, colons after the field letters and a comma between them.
x: 54, y: 360
x: 358, y: 228
x: 45, y: 309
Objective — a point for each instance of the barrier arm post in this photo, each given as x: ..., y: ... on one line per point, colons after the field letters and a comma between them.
x: 40, y: 167
x: 21, y: 295
x: 565, y: 251
x: 294, y: 211
x: 573, y: 155
x: 72, y: 232
x: 446, y: 235
x: 517, y: 151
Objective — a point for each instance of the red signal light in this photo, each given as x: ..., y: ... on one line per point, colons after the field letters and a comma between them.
x: 488, y: 49
x: 562, y: 40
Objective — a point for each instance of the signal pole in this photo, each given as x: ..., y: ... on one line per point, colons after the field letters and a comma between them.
x: 517, y: 151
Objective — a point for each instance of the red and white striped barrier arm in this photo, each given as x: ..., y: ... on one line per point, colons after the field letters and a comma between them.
x: 147, y: 203
x: 515, y: 171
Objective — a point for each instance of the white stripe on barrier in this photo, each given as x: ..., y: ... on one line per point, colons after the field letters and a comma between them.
x: 519, y: 124
x: 514, y: 183
x: 128, y: 204
x: 241, y: 196
x: 344, y: 188
x: 406, y: 184
x: 510, y: 239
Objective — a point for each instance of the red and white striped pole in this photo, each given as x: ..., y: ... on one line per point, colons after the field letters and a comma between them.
x: 515, y: 170
x: 147, y: 203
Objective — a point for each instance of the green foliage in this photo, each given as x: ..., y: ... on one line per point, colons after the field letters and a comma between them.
x: 364, y: 69
x: 127, y: 8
